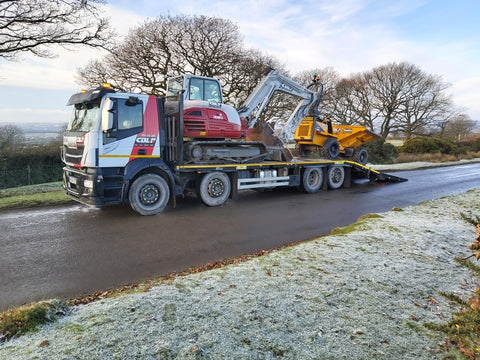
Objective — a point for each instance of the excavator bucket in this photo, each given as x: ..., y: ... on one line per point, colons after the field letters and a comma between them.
x: 263, y: 132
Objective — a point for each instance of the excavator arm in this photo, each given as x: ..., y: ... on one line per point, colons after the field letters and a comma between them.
x: 261, y: 95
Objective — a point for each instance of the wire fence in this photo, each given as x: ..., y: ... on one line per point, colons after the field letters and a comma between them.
x: 30, y: 175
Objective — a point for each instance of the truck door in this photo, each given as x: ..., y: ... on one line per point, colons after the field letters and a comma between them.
x: 119, y: 138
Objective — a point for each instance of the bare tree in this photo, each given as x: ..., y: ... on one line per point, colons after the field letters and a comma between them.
x: 140, y: 62
x: 172, y: 45
x: 406, y: 98
x: 459, y: 127
x: 11, y: 138
x: 392, y: 98
x: 245, y: 73
x: 425, y: 103
x: 389, y: 92
x: 33, y: 26
x: 209, y: 45
x: 329, y: 78
x: 351, y: 102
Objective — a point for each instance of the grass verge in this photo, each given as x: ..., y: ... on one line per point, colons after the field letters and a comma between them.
x: 462, y: 331
x: 359, y: 225
x: 33, y: 195
x: 436, y: 157
x: 28, y: 317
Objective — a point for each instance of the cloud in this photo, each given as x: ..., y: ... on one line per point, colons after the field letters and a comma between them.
x: 57, y: 73
x: 466, y: 93
x: 60, y: 72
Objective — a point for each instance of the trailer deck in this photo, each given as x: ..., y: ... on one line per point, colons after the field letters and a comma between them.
x: 352, y: 170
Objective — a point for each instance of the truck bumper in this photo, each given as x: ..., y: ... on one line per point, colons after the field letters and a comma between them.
x: 85, y: 187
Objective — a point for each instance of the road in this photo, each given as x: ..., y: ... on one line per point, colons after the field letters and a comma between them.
x: 75, y: 250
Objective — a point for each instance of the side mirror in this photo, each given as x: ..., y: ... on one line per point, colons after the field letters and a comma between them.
x: 107, y: 115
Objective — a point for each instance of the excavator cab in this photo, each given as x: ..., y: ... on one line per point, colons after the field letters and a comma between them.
x: 205, y: 115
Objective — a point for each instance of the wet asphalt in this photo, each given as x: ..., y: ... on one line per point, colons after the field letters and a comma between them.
x: 74, y: 250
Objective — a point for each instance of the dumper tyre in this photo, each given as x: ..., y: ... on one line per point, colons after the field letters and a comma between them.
x: 360, y: 156
x: 215, y: 188
x: 312, y: 179
x: 149, y: 194
x: 331, y: 148
x: 335, y: 177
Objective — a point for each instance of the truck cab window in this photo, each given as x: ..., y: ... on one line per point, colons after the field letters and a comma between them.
x: 130, y: 115
x: 128, y: 120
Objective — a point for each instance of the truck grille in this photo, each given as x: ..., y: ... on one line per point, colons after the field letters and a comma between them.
x: 73, y: 156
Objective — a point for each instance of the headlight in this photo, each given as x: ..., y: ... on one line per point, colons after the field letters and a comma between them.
x: 88, y: 184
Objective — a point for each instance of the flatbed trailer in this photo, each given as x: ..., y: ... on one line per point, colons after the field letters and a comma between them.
x: 214, y: 184
x: 108, y: 161
x: 351, y: 170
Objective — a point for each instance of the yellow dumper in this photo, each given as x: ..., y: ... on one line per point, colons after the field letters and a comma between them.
x: 333, y: 141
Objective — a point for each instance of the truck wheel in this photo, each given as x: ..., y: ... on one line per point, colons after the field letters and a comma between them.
x: 360, y: 156
x: 215, y: 188
x: 149, y: 194
x: 335, y: 176
x: 312, y: 179
x: 331, y: 148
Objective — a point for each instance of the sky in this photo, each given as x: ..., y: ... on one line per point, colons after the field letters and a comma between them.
x: 442, y: 37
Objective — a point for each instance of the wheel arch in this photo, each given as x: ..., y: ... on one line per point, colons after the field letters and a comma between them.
x: 135, y: 169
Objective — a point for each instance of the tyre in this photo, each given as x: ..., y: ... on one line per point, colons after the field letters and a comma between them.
x: 360, y: 156
x: 215, y: 188
x: 149, y: 194
x: 331, y: 148
x: 312, y: 179
x: 335, y: 176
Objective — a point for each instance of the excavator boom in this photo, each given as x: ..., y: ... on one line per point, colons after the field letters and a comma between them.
x: 261, y: 95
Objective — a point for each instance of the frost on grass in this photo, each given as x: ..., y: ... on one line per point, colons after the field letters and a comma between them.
x: 359, y: 295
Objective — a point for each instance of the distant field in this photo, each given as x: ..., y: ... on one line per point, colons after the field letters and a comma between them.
x: 396, y: 143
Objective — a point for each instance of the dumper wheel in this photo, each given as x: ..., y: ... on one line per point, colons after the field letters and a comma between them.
x: 312, y: 179
x: 335, y: 176
x: 360, y: 156
x: 149, y: 194
x: 331, y: 148
x: 215, y: 188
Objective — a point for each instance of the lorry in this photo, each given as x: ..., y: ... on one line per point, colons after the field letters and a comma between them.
x: 148, y: 151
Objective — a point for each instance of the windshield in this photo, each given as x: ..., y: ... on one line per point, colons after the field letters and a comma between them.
x: 174, y: 87
x: 84, y: 117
